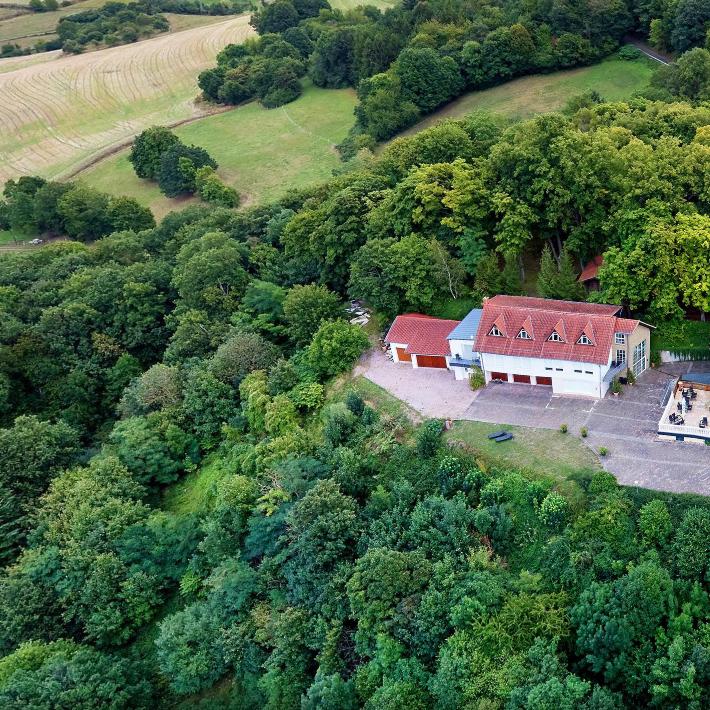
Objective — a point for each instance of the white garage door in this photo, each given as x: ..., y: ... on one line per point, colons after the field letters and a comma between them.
x: 587, y: 389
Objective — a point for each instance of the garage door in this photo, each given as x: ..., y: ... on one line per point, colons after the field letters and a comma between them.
x: 403, y: 355
x: 499, y: 376
x: 544, y: 381
x: 431, y: 361
x: 522, y: 379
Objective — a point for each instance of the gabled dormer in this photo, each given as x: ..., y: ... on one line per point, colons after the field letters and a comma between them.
x: 499, y: 329
x: 558, y: 334
x: 587, y: 336
x: 526, y: 332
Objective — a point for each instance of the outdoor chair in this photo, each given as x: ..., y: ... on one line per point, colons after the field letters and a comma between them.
x: 504, y: 437
x: 496, y: 434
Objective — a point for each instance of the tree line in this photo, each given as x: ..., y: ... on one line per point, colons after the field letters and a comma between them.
x: 409, y: 60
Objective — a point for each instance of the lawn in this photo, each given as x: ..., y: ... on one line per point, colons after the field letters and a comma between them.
x: 614, y: 79
x: 262, y: 153
x: 542, y: 453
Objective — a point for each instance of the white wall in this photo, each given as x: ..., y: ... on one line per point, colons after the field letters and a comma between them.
x: 564, y: 378
x: 462, y: 349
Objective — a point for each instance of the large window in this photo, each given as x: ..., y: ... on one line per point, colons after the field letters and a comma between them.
x: 639, y: 361
x: 620, y: 355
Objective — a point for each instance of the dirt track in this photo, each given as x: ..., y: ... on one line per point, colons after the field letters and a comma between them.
x: 58, y: 114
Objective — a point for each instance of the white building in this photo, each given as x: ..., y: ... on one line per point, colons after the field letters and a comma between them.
x: 573, y: 347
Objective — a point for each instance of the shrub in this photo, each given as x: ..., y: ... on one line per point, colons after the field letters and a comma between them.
x: 553, y: 510
x: 628, y: 52
x: 615, y: 386
x: 603, y: 451
x: 476, y: 379
x: 211, y: 189
x: 563, y: 428
x: 429, y: 437
x: 584, y: 431
x: 355, y: 403
x: 335, y: 347
x: 630, y: 377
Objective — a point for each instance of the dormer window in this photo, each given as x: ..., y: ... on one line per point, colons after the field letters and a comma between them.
x: 524, y: 335
x: 555, y: 337
x: 620, y: 338
x: 494, y: 331
x: 584, y: 340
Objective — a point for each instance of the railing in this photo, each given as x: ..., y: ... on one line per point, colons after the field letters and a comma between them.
x: 614, y: 370
x: 668, y: 429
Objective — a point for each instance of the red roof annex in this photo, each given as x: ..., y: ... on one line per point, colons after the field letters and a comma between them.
x: 591, y: 270
x: 540, y: 317
x: 423, y: 335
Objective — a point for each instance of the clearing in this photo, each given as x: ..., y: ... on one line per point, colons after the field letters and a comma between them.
x: 61, y: 112
x: 614, y: 79
x: 261, y: 152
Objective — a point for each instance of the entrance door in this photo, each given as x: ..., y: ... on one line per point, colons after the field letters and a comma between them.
x: 499, y: 376
x: 403, y: 355
x: 544, y: 381
x: 522, y: 379
x: 431, y: 361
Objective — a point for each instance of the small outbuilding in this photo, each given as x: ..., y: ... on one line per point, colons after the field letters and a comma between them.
x: 420, y: 340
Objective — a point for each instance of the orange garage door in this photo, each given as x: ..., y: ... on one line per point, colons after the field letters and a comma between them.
x: 544, y: 381
x: 522, y: 379
x: 431, y: 361
x: 403, y: 355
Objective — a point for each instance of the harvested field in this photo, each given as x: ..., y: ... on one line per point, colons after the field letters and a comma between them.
x: 60, y: 113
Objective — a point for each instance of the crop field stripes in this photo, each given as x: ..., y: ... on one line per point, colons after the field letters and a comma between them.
x: 61, y: 112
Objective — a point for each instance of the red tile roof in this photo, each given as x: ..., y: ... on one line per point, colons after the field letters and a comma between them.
x: 540, y: 317
x: 423, y: 335
x: 591, y: 270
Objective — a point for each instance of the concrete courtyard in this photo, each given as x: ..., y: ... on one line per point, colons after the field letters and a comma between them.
x: 625, y: 425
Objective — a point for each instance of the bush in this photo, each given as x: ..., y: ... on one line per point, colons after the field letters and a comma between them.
x: 584, y: 432
x: 563, y: 428
x: 553, y: 510
x: 476, y: 379
x: 603, y: 451
x: 629, y: 52
x: 211, y: 189
x: 355, y: 403
x: 429, y: 438
x: 335, y: 347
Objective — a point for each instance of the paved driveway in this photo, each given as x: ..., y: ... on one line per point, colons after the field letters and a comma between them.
x: 625, y: 425
x: 431, y: 392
